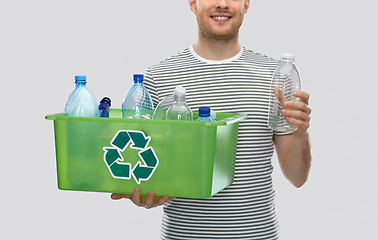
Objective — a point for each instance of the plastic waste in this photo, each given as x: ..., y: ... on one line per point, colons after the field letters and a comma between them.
x: 204, y: 115
x: 285, y: 82
x: 160, y: 112
x: 81, y: 102
x: 213, y: 115
x: 179, y: 111
x: 137, y: 103
x: 104, y: 106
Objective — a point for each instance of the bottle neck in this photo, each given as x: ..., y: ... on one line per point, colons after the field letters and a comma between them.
x: 287, y: 61
x: 179, y: 98
x: 80, y: 83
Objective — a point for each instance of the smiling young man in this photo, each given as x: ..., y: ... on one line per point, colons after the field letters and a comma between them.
x: 218, y: 72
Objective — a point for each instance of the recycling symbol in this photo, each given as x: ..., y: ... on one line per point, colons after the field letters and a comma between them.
x: 120, y: 169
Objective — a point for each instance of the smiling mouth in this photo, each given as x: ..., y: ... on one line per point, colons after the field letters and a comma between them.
x: 221, y: 18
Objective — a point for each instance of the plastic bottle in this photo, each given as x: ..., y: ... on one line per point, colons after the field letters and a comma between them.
x: 137, y: 103
x: 81, y: 102
x: 160, y: 112
x: 204, y: 115
x: 179, y: 110
x: 213, y: 115
x: 104, y: 106
x: 287, y: 80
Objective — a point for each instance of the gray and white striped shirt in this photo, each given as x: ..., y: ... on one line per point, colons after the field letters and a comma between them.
x: 245, y: 209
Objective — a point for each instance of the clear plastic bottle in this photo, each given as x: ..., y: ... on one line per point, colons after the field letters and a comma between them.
x: 179, y: 110
x: 204, y: 115
x: 213, y: 115
x: 160, y: 112
x: 104, y: 106
x: 285, y: 82
x: 81, y: 102
x: 137, y: 103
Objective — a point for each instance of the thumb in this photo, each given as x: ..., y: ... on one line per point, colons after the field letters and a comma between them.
x: 279, y: 95
x: 118, y: 196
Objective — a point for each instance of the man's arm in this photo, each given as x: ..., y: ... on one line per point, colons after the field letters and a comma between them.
x: 294, y: 150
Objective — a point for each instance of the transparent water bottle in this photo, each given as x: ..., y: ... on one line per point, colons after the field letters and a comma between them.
x: 285, y: 82
x: 213, y: 115
x: 81, y: 102
x: 137, y: 103
x: 204, y: 115
x: 179, y: 110
x: 104, y: 106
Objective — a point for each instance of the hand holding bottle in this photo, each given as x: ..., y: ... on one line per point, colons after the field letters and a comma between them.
x: 297, y: 113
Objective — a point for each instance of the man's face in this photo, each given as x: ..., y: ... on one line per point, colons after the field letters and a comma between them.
x: 219, y: 19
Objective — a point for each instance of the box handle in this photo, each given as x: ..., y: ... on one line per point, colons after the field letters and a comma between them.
x: 234, y: 119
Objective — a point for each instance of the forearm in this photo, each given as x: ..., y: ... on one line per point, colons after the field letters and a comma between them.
x: 296, y: 165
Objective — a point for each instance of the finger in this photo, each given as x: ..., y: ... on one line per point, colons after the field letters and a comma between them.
x: 304, y: 97
x: 118, y: 196
x: 148, y: 203
x: 162, y: 200
x: 279, y: 95
x: 296, y: 105
x: 135, y: 198
x: 304, y: 125
x: 299, y: 115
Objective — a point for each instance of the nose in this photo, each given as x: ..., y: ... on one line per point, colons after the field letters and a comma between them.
x: 222, y: 4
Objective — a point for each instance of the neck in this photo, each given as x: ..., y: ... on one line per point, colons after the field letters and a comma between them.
x: 217, y: 49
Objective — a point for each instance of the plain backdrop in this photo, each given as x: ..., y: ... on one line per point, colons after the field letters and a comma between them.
x: 44, y: 44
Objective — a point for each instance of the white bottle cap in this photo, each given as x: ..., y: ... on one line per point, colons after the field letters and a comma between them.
x: 179, y: 93
x: 287, y: 56
x: 180, y: 90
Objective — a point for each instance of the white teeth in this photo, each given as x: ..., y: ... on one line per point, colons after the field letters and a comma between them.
x: 221, y: 18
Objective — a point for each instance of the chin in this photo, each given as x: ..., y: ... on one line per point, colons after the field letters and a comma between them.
x: 225, y: 35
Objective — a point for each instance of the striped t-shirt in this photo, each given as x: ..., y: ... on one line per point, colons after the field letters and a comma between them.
x: 245, y: 209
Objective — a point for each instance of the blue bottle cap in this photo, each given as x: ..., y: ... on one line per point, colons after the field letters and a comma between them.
x: 204, y: 112
x: 138, y: 77
x: 107, y: 100
x: 81, y: 78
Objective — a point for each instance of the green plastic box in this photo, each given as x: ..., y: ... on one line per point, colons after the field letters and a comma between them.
x: 171, y: 158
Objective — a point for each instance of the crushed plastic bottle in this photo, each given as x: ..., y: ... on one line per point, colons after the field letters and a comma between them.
x: 81, y: 102
x: 160, y: 112
x: 104, y: 106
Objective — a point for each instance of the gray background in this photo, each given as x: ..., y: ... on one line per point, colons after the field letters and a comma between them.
x: 44, y: 44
